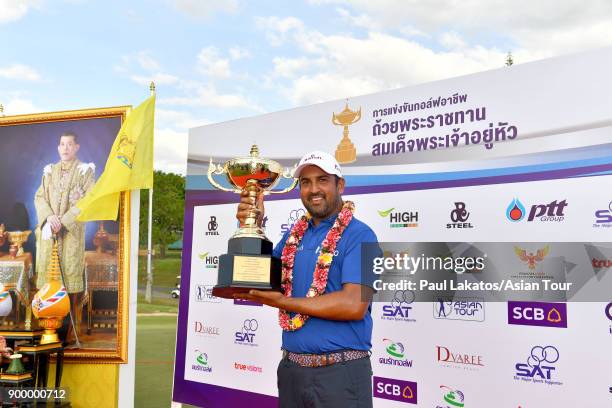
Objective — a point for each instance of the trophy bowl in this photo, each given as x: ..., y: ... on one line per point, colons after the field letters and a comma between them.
x: 18, y: 238
x: 249, y: 263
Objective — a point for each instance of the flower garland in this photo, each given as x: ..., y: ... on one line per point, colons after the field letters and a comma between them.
x: 319, y: 278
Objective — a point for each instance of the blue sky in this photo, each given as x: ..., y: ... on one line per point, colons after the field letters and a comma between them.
x: 214, y: 61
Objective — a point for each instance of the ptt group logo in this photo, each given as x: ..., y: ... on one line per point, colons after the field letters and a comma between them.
x: 246, y: 335
x: 471, y: 309
x: 603, y: 218
x: 395, y: 355
x: 395, y: 390
x: 458, y: 359
x: 399, y: 308
x: 551, y: 212
x: 202, y: 329
x: 201, y: 362
x: 210, y: 261
x: 539, y: 367
x: 294, y: 216
x: 203, y: 293
x: 537, y: 314
x: 459, y: 216
x: 400, y: 219
x: 451, y: 397
x: 213, y: 226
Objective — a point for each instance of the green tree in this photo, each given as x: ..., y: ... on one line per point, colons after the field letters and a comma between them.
x: 168, y: 210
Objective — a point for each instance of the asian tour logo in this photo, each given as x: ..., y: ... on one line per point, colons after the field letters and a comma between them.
x: 294, y: 216
x: 210, y: 261
x: 201, y: 362
x: 471, y: 309
x: 399, y: 308
x: 203, y: 293
x: 395, y: 355
x: 452, y: 397
x: 551, y: 212
x: 539, y: 367
x: 400, y: 219
x: 246, y: 335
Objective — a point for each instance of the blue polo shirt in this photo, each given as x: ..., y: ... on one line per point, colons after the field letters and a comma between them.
x: 321, y: 335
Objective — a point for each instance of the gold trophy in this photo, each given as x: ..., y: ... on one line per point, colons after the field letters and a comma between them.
x: 346, y: 152
x: 249, y: 263
x: 17, y: 239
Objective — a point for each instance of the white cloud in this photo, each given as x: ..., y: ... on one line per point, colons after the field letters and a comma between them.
x: 208, y: 96
x: 13, y: 10
x: 205, y: 8
x: 19, y: 71
x: 212, y: 64
x: 278, y: 30
x: 181, y: 120
x: 170, y: 150
x: 146, y: 61
x: 159, y: 78
x: 237, y: 53
x: 19, y: 106
x: 290, y: 67
x: 452, y: 40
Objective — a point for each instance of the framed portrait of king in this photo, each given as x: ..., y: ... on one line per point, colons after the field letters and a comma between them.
x: 49, y: 162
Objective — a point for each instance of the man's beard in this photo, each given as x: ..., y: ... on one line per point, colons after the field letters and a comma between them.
x: 323, y: 210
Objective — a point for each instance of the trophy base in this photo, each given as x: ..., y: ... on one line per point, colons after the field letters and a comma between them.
x: 248, y: 265
x: 346, y: 152
x: 228, y: 292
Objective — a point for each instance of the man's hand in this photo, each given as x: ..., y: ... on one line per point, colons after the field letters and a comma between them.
x: 270, y: 298
x: 55, y: 222
x: 246, y: 203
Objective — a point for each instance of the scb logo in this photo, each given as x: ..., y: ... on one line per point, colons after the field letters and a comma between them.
x: 535, y: 363
x: 400, y: 305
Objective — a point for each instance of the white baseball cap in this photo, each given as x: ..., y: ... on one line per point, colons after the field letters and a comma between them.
x: 322, y: 160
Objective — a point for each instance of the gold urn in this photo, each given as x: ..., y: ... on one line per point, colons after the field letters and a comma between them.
x: 17, y: 239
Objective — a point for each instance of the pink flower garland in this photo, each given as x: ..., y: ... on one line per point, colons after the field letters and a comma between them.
x: 319, y: 278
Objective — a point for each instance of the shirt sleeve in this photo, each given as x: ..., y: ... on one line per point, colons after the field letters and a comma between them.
x: 357, y: 263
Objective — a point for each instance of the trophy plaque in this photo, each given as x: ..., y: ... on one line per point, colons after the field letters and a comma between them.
x: 249, y: 263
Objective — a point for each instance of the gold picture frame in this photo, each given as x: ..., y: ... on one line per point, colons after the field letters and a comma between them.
x: 96, y: 127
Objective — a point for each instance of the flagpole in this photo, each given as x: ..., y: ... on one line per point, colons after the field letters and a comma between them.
x: 149, y: 287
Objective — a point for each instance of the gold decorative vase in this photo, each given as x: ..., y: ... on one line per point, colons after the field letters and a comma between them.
x: 18, y: 238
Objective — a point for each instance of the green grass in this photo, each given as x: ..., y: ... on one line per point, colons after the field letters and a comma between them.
x: 158, y: 305
x: 155, y: 340
x: 165, y: 270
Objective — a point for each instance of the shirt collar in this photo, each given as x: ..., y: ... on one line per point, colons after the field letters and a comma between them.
x: 328, y: 221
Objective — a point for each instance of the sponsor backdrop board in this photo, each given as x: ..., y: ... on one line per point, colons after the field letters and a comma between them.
x: 521, y: 154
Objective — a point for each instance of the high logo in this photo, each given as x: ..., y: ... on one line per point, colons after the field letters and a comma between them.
x: 210, y: 261
x: 537, y: 314
x: 551, y: 212
x: 395, y: 390
x: 539, y: 367
x: 401, y: 219
x: 459, y: 216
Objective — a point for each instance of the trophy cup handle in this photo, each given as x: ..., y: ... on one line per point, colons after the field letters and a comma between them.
x: 287, y: 174
x: 214, y: 169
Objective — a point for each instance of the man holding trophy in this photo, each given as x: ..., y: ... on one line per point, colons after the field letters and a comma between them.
x: 325, y: 309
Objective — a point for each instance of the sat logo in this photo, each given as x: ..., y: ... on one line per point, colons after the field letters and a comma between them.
x: 399, y: 308
x: 535, y: 366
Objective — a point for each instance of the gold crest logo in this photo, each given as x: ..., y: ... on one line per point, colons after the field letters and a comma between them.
x: 346, y: 152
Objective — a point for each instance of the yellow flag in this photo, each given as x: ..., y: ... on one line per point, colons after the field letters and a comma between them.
x: 129, y: 166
